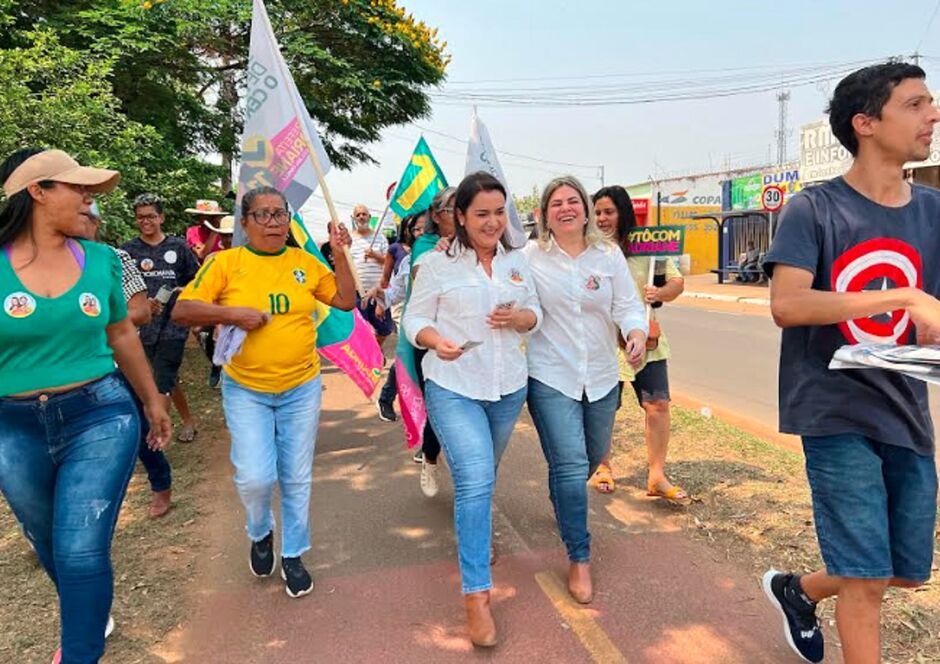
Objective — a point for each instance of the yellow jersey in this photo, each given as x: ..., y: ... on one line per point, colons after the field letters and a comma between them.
x: 281, y: 354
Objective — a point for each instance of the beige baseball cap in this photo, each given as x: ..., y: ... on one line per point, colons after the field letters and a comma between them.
x: 58, y: 166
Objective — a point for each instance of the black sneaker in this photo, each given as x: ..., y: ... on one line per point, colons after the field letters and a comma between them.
x: 386, y: 412
x: 215, y: 376
x: 800, y: 626
x: 298, y: 580
x: 262, y: 556
x: 418, y: 456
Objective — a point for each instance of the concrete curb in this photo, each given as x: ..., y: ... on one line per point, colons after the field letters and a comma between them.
x: 698, y: 295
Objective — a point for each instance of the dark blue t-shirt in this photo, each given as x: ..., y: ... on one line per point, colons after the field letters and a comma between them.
x: 398, y: 253
x: 850, y: 244
x: 172, y: 264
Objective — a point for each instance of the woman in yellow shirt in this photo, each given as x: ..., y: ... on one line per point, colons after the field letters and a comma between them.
x: 271, y: 388
x: 615, y: 217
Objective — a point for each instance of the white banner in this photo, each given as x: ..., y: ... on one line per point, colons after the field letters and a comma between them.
x: 279, y: 134
x: 481, y: 156
x: 822, y: 157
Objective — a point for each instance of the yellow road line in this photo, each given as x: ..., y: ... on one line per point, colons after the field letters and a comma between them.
x: 589, y: 633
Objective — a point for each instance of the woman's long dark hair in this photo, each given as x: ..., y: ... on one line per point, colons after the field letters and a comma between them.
x: 17, y: 214
x: 626, y: 217
x: 468, y: 189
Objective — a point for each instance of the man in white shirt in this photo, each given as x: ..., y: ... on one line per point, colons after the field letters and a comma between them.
x: 369, y: 258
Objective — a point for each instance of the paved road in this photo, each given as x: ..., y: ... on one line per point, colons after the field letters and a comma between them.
x: 729, y: 360
x: 387, y: 582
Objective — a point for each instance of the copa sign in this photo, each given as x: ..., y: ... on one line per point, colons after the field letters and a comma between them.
x: 657, y: 241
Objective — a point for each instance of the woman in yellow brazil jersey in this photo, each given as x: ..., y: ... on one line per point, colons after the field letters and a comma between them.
x: 271, y: 388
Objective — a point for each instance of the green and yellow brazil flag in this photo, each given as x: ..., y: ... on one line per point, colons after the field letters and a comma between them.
x: 422, y: 179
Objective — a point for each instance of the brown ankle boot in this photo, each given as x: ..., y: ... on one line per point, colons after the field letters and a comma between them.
x: 479, y: 619
x: 160, y: 503
x: 579, y: 583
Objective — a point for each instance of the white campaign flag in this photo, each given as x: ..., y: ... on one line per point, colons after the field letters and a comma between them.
x: 279, y: 135
x: 481, y: 156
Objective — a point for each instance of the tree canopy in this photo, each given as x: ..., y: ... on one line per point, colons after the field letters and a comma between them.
x: 152, y: 87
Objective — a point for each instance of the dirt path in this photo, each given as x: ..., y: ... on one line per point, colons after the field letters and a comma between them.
x: 387, y: 581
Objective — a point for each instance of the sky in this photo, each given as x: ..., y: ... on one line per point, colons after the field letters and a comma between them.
x: 604, y: 42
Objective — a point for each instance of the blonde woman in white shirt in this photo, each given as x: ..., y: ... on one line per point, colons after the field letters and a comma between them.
x: 587, y: 297
x: 471, y: 307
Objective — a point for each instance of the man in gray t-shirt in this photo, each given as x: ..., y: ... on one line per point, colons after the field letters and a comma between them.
x: 855, y: 261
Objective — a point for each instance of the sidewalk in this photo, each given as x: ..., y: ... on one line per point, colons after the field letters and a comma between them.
x: 387, y: 582
x: 706, y: 287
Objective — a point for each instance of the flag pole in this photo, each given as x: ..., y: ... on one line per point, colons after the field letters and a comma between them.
x: 378, y: 226
x: 331, y: 207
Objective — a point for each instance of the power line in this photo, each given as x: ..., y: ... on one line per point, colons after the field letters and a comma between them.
x: 508, y: 154
x: 636, y: 74
x: 929, y: 24
x: 654, y: 92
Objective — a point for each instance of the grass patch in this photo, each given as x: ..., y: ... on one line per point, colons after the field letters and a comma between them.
x: 154, y: 561
x: 753, y: 508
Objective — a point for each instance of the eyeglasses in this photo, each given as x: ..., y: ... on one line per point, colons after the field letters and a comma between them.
x: 79, y: 188
x: 281, y: 217
x: 147, y: 217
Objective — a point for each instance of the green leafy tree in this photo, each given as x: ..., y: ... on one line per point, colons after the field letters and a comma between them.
x: 162, y: 81
x: 55, y: 96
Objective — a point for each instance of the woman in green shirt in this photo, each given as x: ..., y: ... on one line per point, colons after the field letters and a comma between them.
x: 615, y: 217
x: 68, y: 427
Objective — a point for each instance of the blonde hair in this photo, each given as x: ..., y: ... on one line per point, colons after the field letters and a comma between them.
x: 592, y: 234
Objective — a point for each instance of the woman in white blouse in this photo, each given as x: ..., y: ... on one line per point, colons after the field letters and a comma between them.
x: 470, y: 307
x: 587, y: 297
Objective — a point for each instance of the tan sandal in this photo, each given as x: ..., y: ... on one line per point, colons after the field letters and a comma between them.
x: 604, y: 479
x: 674, y: 494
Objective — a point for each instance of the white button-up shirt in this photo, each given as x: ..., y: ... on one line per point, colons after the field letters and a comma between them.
x: 454, y: 295
x: 584, y: 301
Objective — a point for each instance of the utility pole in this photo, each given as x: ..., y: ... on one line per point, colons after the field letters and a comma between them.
x: 916, y: 58
x: 601, y: 168
x: 783, y: 98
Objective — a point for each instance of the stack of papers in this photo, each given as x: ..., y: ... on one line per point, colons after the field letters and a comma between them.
x: 228, y: 345
x: 920, y: 362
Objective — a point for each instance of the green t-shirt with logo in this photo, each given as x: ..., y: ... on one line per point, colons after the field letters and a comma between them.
x: 49, y: 342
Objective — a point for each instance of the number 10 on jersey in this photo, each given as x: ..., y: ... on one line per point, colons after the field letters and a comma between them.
x: 280, y: 303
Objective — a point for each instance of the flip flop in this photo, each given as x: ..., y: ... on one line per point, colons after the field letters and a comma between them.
x: 604, y: 479
x: 187, y: 434
x: 675, y: 495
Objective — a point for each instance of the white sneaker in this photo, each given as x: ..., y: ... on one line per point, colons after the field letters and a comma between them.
x: 109, y: 628
x: 429, y: 479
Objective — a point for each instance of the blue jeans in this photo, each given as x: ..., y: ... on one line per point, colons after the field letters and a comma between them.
x: 155, y: 462
x: 65, y: 461
x: 474, y: 435
x: 875, y: 507
x: 273, y: 438
x: 390, y: 389
x: 575, y: 436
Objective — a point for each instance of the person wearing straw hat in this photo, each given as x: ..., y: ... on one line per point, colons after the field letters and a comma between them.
x: 202, y: 238
x: 68, y: 426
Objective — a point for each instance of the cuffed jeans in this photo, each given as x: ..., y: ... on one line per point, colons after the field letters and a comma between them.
x: 474, y: 435
x: 65, y: 461
x: 155, y: 462
x: 273, y: 438
x: 575, y: 436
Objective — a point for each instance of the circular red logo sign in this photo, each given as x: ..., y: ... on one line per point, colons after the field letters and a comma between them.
x: 882, y: 264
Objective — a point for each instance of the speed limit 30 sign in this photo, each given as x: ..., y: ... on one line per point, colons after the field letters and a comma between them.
x: 771, y: 198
